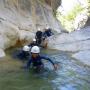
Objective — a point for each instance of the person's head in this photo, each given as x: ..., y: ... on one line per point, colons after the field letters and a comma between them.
x: 35, y: 50
x: 47, y: 27
x: 26, y: 48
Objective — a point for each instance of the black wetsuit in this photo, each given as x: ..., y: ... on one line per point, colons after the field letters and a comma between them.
x: 38, y: 37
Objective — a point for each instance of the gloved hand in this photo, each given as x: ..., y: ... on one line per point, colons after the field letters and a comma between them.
x: 55, y: 66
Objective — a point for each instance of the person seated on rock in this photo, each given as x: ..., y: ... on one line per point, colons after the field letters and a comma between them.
x: 48, y: 32
x: 38, y: 36
x: 36, y: 60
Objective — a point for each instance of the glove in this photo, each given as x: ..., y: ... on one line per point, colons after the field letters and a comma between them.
x: 55, y: 66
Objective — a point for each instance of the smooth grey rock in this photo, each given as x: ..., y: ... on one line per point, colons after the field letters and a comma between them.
x: 75, y: 41
x: 2, y: 53
x: 83, y: 56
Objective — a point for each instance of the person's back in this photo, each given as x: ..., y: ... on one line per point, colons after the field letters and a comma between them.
x: 48, y: 32
x: 36, y: 59
x: 38, y: 37
x: 39, y: 34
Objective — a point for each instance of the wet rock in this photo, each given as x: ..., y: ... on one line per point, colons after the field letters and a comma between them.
x: 75, y: 41
x: 19, y: 19
x: 83, y: 56
x: 2, y: 53
x: 9, y: 34
x: 26, y: 35
x: 4, y: 42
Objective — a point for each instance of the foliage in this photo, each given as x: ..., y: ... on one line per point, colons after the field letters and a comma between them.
x: 70, y: 16
x: 67, y: 20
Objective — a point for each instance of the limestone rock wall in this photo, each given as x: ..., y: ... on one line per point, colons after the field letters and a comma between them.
x: 19, y: 20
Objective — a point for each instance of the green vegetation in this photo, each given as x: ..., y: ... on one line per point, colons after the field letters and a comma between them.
x: 70, y: 16
x: 67, y: 20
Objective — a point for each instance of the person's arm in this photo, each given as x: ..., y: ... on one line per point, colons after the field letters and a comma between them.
x: 46, y: 58
x: 50, y: 31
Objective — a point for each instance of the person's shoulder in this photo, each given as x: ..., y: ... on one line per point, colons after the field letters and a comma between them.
x: 30, y: 58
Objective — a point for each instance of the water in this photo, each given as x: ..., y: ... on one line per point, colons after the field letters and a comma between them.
x: 71, y: 75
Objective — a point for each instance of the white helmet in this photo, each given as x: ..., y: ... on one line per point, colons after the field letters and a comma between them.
x: 35, y: 49
x: 26, y: 48
x: 39, y: 29
x: 47, y: 27
x: 34, y: 40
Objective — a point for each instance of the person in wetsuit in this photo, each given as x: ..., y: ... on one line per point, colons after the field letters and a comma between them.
x: 36, y: 59
x: 48, y: 32
x: 38, y: 36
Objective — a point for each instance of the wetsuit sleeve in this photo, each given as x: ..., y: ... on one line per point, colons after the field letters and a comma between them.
x: 29, y: 63
x: 46, y: 58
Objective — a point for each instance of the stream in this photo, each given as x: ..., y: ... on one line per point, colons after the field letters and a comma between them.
x: 71, y: 74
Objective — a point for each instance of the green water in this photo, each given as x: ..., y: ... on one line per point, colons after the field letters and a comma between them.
x: 71, y: 75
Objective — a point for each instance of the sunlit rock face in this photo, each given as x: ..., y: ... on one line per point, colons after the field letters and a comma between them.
x: 80, y: 20
x: 53, y: 3
x: 19, y: 19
